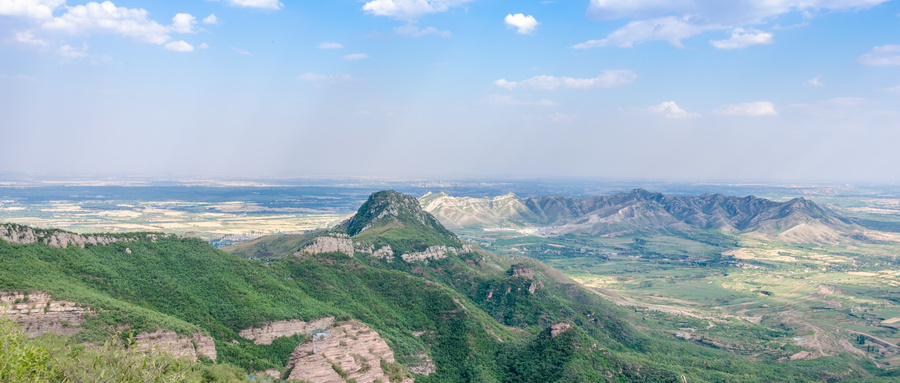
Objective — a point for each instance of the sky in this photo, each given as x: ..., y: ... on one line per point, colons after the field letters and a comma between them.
x: 775, y: 90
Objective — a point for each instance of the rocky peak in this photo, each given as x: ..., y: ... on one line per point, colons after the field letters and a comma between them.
x: 385, y: 206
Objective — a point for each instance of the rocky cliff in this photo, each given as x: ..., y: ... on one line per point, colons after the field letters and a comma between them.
x: 268, y: 333
x: 329, y: 243
x: 178, y: 345
x: 352, y: 350
x: 24, y: 235
x: 38, y: 314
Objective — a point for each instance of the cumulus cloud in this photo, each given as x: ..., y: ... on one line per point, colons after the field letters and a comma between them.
x: 332, y: 78
x: 203, y: 46
x: 107, y: 18
x: 356, y: 56
x: 815, y: 81
x: 261, y: 4
x: 28, y: 39
x: 524, y: 24
x: 670, y: 29
x: 608, y: 79
x: 688, y: 18
x: 179, y: 46
x: 671, y: 110
x: 882, y: 55
x: 509, y: 100
x: 741, y: 38
x: 36, y: 9
x: 409, y: 9
x: 211, y: 19
x: 330, y: 45
x: 895, y: 88
x: 69, y: 52
x: 412, y: 30
x: 759, y: 108
x: 240, y: 51
x: 184, y: 23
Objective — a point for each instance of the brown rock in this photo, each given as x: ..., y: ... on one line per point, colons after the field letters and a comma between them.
x: 269, y: 332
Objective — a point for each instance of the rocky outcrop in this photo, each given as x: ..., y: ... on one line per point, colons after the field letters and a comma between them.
x: 329, y: 243
x: 38, y: 314
x: 435, y: 252
x: 384, y: 252
x: 559, y: 328
x: 268, y: 333
x: 180, y: 346
x: 59, y: 239
x: 520, y: 270
x: 351, y: 348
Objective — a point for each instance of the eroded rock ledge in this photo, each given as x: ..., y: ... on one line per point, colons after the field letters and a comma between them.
x: 352, y: 347
x: 268, y: 333
x: 38, y: 313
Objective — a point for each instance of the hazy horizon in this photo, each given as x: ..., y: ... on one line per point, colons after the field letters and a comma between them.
x: 789, y: 91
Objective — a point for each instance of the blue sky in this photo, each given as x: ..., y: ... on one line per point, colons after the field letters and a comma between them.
x: 780, y: 90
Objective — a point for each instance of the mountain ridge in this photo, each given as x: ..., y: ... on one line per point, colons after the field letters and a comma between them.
x: 638, y: 210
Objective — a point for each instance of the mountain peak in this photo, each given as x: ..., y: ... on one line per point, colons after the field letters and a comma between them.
x: 390, y: 215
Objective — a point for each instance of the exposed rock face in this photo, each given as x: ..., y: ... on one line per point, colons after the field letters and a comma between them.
x: 353, y: 347
x: 269, y: 332
x: 330, y: 243
x: 169, y: 341
x: 520, y: 270
x: 559, y: 328
x: 384, y: 252
x: 435, y: 252
x: 38, y: 314
x: 60, y: 239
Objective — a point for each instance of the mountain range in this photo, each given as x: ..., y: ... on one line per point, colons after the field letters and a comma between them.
x: 395, y: 296
x: 641, y: 211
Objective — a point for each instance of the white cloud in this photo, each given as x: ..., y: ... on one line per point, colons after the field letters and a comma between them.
x: 509, y: 100
x: 718, y: 11
x: 608, y: 79
x: 675, y: 20
x: 332, y: 78
x: 524, y: 24
x: 412, y: 30
x: 882, y: 55
x: 671, y: 110
x: 184, y: 23
x: 107, y: 18
x: 409, y: 9
x: 36, y: 9
x: 760, y: 108
x: 262, y: 4
x: 203, y: 46
x: 71, y: 53
x: 179, y: 46
x: 816, y: 81
x: 670, y: 29
x: 356, y: 56
x: 741, y: 38
x: 561, y: 118
x: 28, y: 39
x: 240, y: 51
x: 330, y: 45
x: 211, y: 19
x: 895, y: 88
